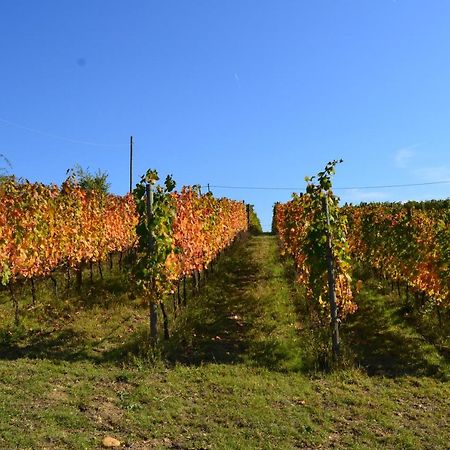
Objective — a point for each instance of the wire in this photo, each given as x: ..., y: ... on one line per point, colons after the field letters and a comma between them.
x: 273, y: 188
x: 249, y: 187
x: 56, y: 136
x: 293, y: 189
x: 395, y: 185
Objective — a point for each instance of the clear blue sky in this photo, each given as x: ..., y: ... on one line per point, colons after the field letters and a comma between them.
x: 231, y: 92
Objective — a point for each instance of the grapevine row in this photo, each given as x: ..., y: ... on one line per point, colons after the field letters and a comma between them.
x: 203, y: 227
x: 294, y: 224
x: 408, y: 243
x: 313, y: 232
x: 43, y: 228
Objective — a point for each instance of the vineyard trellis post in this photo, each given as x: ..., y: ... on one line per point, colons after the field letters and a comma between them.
x: 331, y: 284
x: 131, y: 164
x: 153, y: 307
x: 248, y: 215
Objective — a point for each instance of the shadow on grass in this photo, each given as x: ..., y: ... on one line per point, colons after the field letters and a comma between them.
x: 64, y: 345
x: 383, y: 343
x: 108, y: 291
x: 68, y: 345
x: 376, y: 338
x: 233, y: 320
x: 218, y: 325
x: 227, y: 323
x: 47, y: 329
x: 213, y: 328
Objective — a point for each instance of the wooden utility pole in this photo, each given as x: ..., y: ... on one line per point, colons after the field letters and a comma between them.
x: 131, y: 164
x: 331, y: 285
x: 153, y: 307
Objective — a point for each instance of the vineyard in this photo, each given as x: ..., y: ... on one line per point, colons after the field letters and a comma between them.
x: 44, y: 228
x: 170, y: 236
x: 47, y: 228
x: 295, y: 223
x: 407, y: 245
x: 195, y: 333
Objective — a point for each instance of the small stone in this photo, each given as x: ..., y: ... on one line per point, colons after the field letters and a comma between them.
x: 109, y: 441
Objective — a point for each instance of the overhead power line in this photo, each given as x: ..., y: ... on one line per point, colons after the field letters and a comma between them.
x: 296, y: 189
x: 208, y: 186
x: 395, y: 185
x: 56, y: 136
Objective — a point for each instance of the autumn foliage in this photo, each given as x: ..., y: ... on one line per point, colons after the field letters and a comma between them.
x: 407, y: 243
x: 298, y: 224
x: 203, y: 227
x: 43, y: 228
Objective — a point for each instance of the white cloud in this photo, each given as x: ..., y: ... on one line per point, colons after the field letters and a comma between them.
x: 237, y: 79
x: 404, y: 155
x: 359, y: 195
x: 435, y: 173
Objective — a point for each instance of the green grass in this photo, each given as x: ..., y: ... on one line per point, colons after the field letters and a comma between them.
x: 383, y: 342
x: 241, y: 370
x: 244, y: 315
x: 74, y: 405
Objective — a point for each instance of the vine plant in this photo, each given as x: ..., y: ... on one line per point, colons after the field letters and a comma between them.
x: 156, y: 210
x: 313, y: 230
x: 328, y: 255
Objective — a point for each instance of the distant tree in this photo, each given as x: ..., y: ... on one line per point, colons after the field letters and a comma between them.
x: 97, y: 181
x: 4, y: 175
x: 255, y: 224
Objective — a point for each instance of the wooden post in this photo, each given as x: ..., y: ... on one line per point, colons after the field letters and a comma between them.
x: 153, y: 307
x: 15, y: 303
x: 248, y: 216
x: 165, y: 321
x: 179, y: 293
x: 68, y: 277
x: 331, y: 286
x: 79, y: 273
x: 131, y: 164
x: 33, y: 291
x: 175, y: 306
x: 100, y: 270
x: 194, y: 283
x: 55, y: 285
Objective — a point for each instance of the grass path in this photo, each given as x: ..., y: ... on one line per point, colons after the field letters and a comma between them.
x: 245, y: 315
x: 236, y: 376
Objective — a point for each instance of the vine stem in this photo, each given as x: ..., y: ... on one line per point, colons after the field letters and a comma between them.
x: 153, y: 310
x: 15, y: 303
x: 331, y: 284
